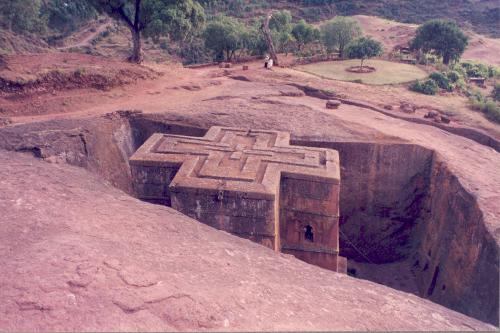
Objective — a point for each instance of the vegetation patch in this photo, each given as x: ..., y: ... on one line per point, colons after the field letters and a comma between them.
x: 426, y: 87
x: 487, y: 105
x: 386, y: 72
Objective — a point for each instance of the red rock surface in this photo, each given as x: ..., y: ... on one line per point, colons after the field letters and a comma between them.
x: 78, y: 254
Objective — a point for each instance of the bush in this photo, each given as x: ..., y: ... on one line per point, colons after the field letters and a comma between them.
x: 493, y: 71
x: 489, y: 107
x: 428, y: 59
x: 442, y: 81
x: 496, y: 92
x: 492, y: 111
x: 475, y: 69
x: 427, y: 87
x: 454, y: 76
x: 194, y: 52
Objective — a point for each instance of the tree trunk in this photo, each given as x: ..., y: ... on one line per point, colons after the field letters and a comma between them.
x: 137, y: 54
x: 446, y: 59
x: 362, y: 64
x: 269, y: 39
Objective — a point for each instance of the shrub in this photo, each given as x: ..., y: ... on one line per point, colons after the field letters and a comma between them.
x: 442, y: 81
x: 194, y: 52
x: 493, y: 71
x: 457, y: 67
x: 492, y: 111
x: 496, y: 92
x: 427, y: 87
x: 454, y: 76
x: 475, y: 69
x: 490, y: 108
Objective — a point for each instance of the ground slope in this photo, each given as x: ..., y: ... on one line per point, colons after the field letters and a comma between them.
x: 392, y: 33
x: 78, y: 254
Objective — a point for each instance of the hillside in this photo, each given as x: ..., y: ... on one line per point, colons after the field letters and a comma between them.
x: 481, y: 15
x: 392, y: 33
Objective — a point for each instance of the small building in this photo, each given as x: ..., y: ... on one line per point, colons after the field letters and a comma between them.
x: 479, y: 81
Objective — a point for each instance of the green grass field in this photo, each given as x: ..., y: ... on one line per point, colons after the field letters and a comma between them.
x: 387, y: 72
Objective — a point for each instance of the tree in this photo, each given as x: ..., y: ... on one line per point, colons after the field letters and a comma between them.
x: 281, y: 21
x: 64, y: 15
x: 363, y: 48
x: 224, y: 35
x: 269, y: 37
x: 281, y: 30
x: 304, y: 33
x: 442, y: 37
x: 337, y: 33
x: 285, y: 41
x: 154, y: 18
x: 252, y: 41
x: 22, y: 16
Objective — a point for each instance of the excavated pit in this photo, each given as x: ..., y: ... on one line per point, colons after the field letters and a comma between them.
x: 406, y: 221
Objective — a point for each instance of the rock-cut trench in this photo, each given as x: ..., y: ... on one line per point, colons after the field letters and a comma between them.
x: 406, y: 221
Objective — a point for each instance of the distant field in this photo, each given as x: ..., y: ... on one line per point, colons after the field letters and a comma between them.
x: 387, y: 72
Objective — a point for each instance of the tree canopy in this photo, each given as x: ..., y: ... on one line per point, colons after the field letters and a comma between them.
x: 338, y: 32
x: 22, y: 15
x: 66, y: 16
x: 442, y: 37
x: 304, y: 33
x: 154, y: 18
x: 224, y: 36
x: 281, y: 30
x: 363, y: 48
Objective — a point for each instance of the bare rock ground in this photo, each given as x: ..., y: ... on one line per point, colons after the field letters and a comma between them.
x: 78, y: 254
x: 83, y: 241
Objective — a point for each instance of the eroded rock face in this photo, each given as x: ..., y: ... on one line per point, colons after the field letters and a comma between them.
x: 86, y: 256
x: 457, y: 259
x: 401, y: 202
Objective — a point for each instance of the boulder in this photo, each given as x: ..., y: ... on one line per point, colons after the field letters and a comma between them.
x: 407, y: 107
x: 5, y: 121
x: 333, y: 104
x: 445, y: 120
x: 431, y: 114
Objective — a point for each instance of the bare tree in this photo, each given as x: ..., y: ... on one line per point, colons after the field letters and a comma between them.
x: 269, y: 38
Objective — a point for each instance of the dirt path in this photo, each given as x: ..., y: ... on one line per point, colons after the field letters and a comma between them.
x: 84, y: 37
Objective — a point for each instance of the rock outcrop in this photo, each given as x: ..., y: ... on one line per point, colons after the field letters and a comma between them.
x: 79, y: 254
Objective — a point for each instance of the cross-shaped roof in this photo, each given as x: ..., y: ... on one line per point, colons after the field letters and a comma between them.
x: 237, y: 161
